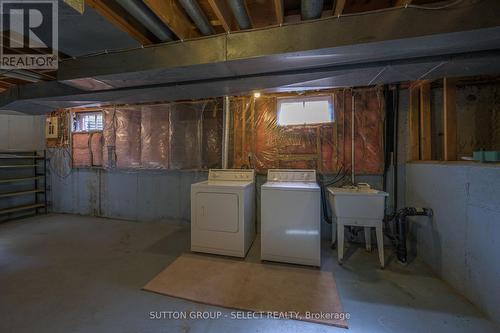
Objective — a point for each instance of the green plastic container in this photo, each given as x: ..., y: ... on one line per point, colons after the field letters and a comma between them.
x: 486, y: 156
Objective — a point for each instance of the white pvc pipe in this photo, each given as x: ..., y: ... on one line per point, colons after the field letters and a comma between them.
x: 225, y: 135
x: 352, y: 138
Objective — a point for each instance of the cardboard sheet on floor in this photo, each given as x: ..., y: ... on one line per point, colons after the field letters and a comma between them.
x: 258, y: 287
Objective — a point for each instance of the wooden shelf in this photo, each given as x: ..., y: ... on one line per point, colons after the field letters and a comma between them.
x: 14, y: 180
x: 21, y: 208
x: 475, y: 164
x: 20, y: 157
x: 23, y: 166
x: 14, y: 194
x: 17, y: 166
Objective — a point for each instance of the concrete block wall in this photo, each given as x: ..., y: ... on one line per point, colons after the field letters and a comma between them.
x: 139, y: 196
x: 462, y: 241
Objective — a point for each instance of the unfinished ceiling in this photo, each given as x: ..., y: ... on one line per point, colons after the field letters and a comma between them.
x: 107, y: 25
x: 88, y: 33
x: 381, y: 46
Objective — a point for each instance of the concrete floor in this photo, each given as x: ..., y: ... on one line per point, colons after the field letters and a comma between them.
x: 65, y: 273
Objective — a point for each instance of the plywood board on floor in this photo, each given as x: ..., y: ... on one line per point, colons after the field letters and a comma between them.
x: 236, y: 284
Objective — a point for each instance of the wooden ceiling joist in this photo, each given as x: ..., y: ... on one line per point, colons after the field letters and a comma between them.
x: 117, y: 16
x: 11, y: 82
x: 5, y: 85
x: 401, y: 3
x: 261, y: 13
x: 350, y: 7
x: 338, y: 9
x: 279, y: 11
x: 224, y: 14
x: 173, y: 16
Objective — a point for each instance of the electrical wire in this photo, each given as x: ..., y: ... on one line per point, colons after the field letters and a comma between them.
x: 60, y: 161
x: 339, y: 177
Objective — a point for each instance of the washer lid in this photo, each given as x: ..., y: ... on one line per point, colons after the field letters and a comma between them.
x: 291, y: 175
x: 291, y: 186
x: 231, y: 175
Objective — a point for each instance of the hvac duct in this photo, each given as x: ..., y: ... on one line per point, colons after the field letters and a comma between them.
x: 311, y: 9
x: 240, y: 13
x: 196, y: 14
x: 144, y: 15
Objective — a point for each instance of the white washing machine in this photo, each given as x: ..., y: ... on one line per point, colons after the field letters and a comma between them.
x: 223, y: 212
x: 291, y: 217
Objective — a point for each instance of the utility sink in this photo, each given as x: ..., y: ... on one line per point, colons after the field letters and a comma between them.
x: 357, y: 202
x: 359, y: 206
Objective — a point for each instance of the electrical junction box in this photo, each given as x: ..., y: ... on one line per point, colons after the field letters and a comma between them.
x: 51, y: 128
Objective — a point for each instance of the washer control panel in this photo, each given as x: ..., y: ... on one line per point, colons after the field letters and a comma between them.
x: 291, y: 175
x: 231, y: 174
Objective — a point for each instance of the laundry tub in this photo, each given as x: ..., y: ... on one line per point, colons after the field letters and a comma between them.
x: 357, y: 206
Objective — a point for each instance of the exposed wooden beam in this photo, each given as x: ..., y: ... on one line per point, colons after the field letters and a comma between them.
x: 5, y: 85
x: 12, y: 81
x: 173, y: 16
x: 279, y: 11
x: 338, y: 9
x: 261, y: 13
x: 413, y: 121
x: 420, y: 83
x: 450, y: 120
x: 425, y: 122
x: 224, y: 14
x: 354, y: 6
x: 50, y: 74
x: 401, y: 3
x: 117, y: 16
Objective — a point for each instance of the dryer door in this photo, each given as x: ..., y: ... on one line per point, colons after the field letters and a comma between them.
x: 217, y: 211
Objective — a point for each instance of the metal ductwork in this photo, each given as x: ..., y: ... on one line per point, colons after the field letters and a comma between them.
x: 196, y: 14
x: 240, y: 13
x: 147, y: 18
x: 311, y: 9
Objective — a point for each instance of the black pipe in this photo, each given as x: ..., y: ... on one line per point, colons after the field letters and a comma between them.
x: 388, y: 133
x: 324, y: 205
x: 395, y: 108
x: 397, y: 234
x: 401, y: 250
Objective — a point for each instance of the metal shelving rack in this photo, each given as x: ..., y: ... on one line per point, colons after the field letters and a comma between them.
x: 23, y: 178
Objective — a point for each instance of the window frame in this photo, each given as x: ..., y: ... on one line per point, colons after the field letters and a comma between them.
x: 306, y: 98
x: 75, y: 121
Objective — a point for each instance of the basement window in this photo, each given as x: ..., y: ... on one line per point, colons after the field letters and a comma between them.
x: 305, y: 110
x: 87, y: 121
